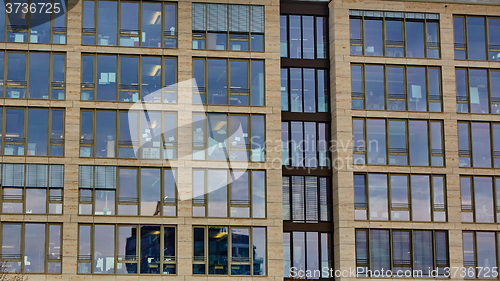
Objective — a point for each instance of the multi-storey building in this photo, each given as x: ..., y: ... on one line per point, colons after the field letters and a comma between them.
x: 379, y: 119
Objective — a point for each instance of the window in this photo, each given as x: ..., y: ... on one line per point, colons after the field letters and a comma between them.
x: 245, y: 191
x: 128, y: 134
x: 32, y: 188
x: 479, y: 144
x: 480, y: 198
x: 217, y: 26
x: 222, y: 250
x: 307, y: 251
x: 477, y: 38
x: 420, y: 251
x: 126, y: 249
x: 307, y: 90
x: 44, y: 135
x: 137, y: 24
x: 129, y: 191
x: 396, y: 88
x: 244, y: 77
x: 400, y: 197
x: 307, y: 143
x: 474, y: 94
x: 129, y: 78
x: 306, y: 199
x: 480, y: 251
x: 398, y: 142
x: 303, y: 37
x: 33, y: 75
x: 47, y: 27
x: 234, y: 137
x: 394, y: 34
x: 32, y: 247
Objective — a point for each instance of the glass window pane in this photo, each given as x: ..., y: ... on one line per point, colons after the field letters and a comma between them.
x: 259, y: 251
x: 376, y: 137
x: 476, y: 38
x: 468, y: 246
x: 310, y: 137
x: 374, y: 87
x: 297, y: 143
x: 401, y: 250
x: 151, y: 24
x: 355, y: 26
x: 435, y: 90
x: 129, y: 19
x: 478, y: 90
x: 106, y: 76
x: 105, y: 142
x: 323, y: 89
x: 483, y: 199
x: 399, y: 198
x: 39, y: 75
x: 127, y: 196
x: 312, y: 251
x: 415, y: 45
x: 171, y: 25
x: 240, y: 194
x: 169, y: 250
x: 36, y: 201
x: 495, y: 93
x: 432, y: 40
x: 11, y: 244
x: 217, y: 138
x: 373, y: 38
x: 107, y: 18
x: 423, y: 252
x: 104, y: 243
x: 309, y: 90
x: 481, y: 147
x: 38, y: 118
x: 394, y: 38
x: 16, y: 73
x: 419, y: 143
x: 377, y: 196
x: 420, y: 198
x: 240, y: 240
x: 40, y: 25
x: 14, y: 131
x: 129, y: 76
x: 18, y: 18
x: 199, y: 80
x: 34, y: 251
x: 396, y: 88
x: 285, y: 143
x: 217, y: 81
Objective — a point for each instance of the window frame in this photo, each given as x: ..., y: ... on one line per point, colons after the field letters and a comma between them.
x: 204, y: 260
x: 492, y: 101
x: 315, y: 35
x: 200, y: 91
x: 204, y: 34
x: 470, y: 266
x: 57, y: 258
x: 471, y: 208
x: 435, y: 207
x: 95, y: 30
x: 495, y: 155
x: 84, y: 143
x: 164, y: 89
x: 196, y: 202
x: 366, y: 265
x: 90, y: 258
x: 400, y: 16
x: 365, y: 147
x: 54, y: 30
x: 206, y: 133
x: 83, y: 200
x: 430, y: 99
x: 464, y: 47
x: 53, y: 85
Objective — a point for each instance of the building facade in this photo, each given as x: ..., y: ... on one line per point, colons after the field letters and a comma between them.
x: 149, y: 139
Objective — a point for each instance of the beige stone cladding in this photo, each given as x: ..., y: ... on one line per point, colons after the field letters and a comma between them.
x: 184, y: 221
